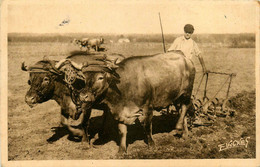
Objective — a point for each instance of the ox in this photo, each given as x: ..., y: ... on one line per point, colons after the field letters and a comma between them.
x: 138, y: 85
x: 84, y: 43
x: 95, y: 43
x: 81, y: 43
x: 47, y: 83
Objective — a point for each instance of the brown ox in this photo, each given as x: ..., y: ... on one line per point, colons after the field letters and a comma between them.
x: 138, y: 86
x: 47, y: 83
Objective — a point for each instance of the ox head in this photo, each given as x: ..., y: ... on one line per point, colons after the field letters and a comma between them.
x: 99, y: 75
x: 98, y: 80
x: 41, y: 81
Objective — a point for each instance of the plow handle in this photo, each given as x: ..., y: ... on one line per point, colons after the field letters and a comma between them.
x: 204, y: 69
x: 229, y: 85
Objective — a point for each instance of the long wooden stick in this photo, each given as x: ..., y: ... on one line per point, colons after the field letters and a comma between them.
x: 162, y: 34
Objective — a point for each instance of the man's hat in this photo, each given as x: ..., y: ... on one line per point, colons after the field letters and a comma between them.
x: 188, y: 28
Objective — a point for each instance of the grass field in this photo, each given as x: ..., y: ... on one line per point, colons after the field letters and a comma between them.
x: 29, y: 129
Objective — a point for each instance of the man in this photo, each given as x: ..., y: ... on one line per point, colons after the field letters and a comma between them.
x: 187, y: 45
x: 189, y: 48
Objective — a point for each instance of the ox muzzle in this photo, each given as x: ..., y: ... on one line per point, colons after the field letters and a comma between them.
x: 86, y: 97
x: 31, y: 100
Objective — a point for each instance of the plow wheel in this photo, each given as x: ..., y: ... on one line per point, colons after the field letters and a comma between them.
x: 207, y: 110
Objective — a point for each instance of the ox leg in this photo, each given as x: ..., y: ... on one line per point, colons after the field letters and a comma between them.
x: 64, y: 120
x: 147, y: 125
x: 85, y: 126
x: 122, y: 135
x: 181, y: 126
x: 103, y: 131
x: 185, y: 127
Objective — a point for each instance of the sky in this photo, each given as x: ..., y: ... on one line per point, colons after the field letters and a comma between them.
x: 122, y: 17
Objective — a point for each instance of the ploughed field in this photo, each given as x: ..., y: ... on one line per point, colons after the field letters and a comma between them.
x: 33, y: 133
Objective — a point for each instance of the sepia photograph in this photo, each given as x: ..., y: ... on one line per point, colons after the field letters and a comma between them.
x: 129, y: 83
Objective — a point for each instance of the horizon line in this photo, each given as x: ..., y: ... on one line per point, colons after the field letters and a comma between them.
x: 38, y: 33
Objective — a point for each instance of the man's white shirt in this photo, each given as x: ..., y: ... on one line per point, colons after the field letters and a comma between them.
x: 188, y: 47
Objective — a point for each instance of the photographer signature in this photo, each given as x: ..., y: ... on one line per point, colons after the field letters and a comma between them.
x: 234, y: 143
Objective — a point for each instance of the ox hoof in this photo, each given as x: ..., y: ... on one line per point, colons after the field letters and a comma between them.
x: 95, y: 142
x: 151, y: 144
x: 49, y: 141
x: 85, y: 146
x: 121, y: 151
x: 185, y: 135
x: 85, y: 143
x: 95, y: 146
x: 179, y: 126
x: 176, y: 132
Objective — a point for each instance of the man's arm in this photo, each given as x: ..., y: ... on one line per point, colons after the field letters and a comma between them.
x: 198, y: 54
x: 202, y: 63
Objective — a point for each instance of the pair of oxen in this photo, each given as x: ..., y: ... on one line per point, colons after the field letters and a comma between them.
x: 131, y: 89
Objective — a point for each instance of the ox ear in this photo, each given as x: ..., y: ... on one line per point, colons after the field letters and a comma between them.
x: 23, y: 67
x: 59, y: 64
x: 63, y: 62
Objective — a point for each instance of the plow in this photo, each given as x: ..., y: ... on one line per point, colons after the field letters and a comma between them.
x: 210, y: 108
x: 206, y: 109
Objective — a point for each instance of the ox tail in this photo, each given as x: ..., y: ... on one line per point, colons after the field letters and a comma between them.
x: 191, y: 110
x: 192, y: 105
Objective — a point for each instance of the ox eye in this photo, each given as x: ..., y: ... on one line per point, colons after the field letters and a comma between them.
x: 29, y: 82
x: 46, y: 79
x: 100, y: 78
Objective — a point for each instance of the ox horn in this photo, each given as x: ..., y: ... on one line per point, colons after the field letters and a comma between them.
x: 23, y: 67
x: 113, y: 65
x: 85, y: 64
x: 77, y: 66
